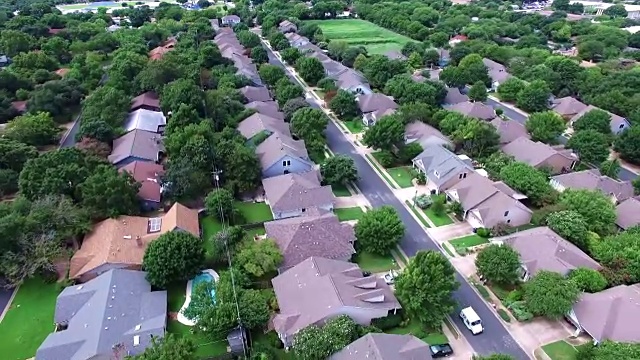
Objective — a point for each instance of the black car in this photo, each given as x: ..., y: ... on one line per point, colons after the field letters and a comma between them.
x: 442, y: 350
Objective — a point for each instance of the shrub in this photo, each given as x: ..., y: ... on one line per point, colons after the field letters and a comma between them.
x: 423, y: 201
x: 420, y: 334
x: 520, y: 312
x: 385, y: 158
x: 462, y: 251
x: 513, y: 297
x: 421, y: 178
x: 388, y: 322
x: 501, y: 229
x: 483, y: 232
x: 504, y: 315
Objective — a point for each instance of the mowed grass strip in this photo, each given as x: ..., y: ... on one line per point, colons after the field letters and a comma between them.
x: 378, y: 40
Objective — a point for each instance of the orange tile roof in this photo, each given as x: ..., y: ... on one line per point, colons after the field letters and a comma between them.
x: 125, y: 239
x: 62, y: 72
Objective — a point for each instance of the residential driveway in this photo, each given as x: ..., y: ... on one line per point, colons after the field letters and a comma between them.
x: 445, y: 233
x: 351, y: 201
x: 538, y: 332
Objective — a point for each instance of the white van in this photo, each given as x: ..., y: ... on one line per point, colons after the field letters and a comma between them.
x: 471, y: 320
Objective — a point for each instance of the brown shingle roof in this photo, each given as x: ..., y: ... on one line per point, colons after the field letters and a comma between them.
x: 612, y: 314
x: 568, y: 106
x: 148, y: 99
x: 454, y: 96
x: 21, y: 106
x: 293, y: 192
x: 476, y: 110
x: 305, y: 236
x: 62, y: 72
x: 269, y: 108
x: 509, y: 130
x: 258, y: 123
x: 374, y: 102
x: 318, y: 289
x: 124, y: 240
x: 542, y: 249
x: 628, y: 213
x: 379, y: 346
x: 593, y: 180
x: 148, y: 175
x: 497, y: 72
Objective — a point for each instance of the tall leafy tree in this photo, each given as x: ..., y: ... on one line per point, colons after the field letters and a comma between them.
x: 169, y: 347
x: 385, y: 133
x: 545, y: 126
x: 379, y: 230
x: 550, y: 294
x: 588, y: 280
x: 174, y: 256
x: 270, y: 74
x: 339, y: 170
x: 595, y: 207
x: 610, y: 168
x: 310, y: 69
x: 510, y: 89
x: 570, y: 225
x: 499, y: 264
x: 591, y: 146
x: 319, y: 343
x: 107, y: 193
x: 219, y: 203
x: 293, y: 105
x: 530, y: 181
x: 534, y: 97
x: 183, y: 180
x: 478, y: 91
x: 598, y: 120
x: 344, y: 105
x: 307, y: 122
x: 628, y: 145
x: 259, y: 257
x: 33, y: 129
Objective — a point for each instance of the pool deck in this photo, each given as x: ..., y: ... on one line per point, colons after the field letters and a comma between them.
x: 181, y: 318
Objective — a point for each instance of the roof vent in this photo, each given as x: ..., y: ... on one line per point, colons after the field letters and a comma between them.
x: 138, y: 326
x: 136, y: 340
x: 79, y: 287
x: 128, y: 237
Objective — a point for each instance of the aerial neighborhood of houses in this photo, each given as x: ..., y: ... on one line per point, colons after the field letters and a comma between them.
x: 319, y: 180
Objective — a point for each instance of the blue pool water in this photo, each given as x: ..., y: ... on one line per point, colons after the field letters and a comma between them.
x: 203, y: 277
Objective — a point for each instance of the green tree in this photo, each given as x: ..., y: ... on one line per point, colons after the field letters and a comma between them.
x: 108, y: 193
x: 169, y: 347
x: 385, y: 133
x: 588, y: 280
x: 14, y: 42
x: 290, y: 55
x: 248, y: 39
x: 8, y: 182
x: 595, y: 207
x: 478, y: 91
x: 570, y: 225
x: 425, y: 288
x: 181, y: 91
x: 259, y: 257
x: 496, y: 161
x: 259, y: 55
x: 310, y: 69
x: 610, y: 168
x: 628, y: 145
x: 107, y: 104
x: 550, y: 294
x: 293, y: 105
x: 476, y: 137
x: 379, y: 230
x: 534, y: 97
x: 344, y: 105
x: 472, y: 70
x: 545, y: 126
x: 616, y: 11
x: 307, y: 122
x: 597, y: 120
x: 173, y: 256
x: 183, y: 180
x: 494, y: 356
x: 33, y: 129
x: 219, y: 203
x: 591, y: 146
x: 270, y: 74
x: 242, y: 168
x: 618, y: 255
x: 286, y: 91
x: 415, y: 61
x: 319, y: 343
x: 530, y: 181
x: 499, y: 264
x: 339, y: 170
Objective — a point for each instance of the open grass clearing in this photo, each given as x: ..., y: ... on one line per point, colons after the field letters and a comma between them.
x: 402, y: 175
x: 206, y: 347
x: 376, y: 39
x: 375, y: 263
x: 468, y: 241
x: 436, y: 219
x: 254, y: 212
x: 560, y: 350
x: 354, y: 126
x: 29, y: 319
x: 348, y: 214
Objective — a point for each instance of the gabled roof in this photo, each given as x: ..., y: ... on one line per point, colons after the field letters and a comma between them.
x: 534, y: 153
x: 593, y: 180
x: 292, y: 192
x: 123, y: 240
x: 542, y: 249
x: 317, y: 289
x: 138, y: 143
x: 143, y: 119
x: 149, y: 175
x: 395, y: 55
x: 117, y: 307
x: 278, y: 145
x: 317, y: 235
x: 614, y: 122
x: 424, y: 134
x: 628, y: 213
x: 148, y: 99
x: 20, y: 106
x: 611, y: 314
x: 454, y: 96
x: 374, y: 102
x: 439, y: 164
x: 350, y: 79
x: 476, y: 110
x: 380, y: 346
x: 332, y: 67
x: 256, y: 93
x: 568, y: 106
x: 230, y: 18
x: 159, y: 51
x: 257, y: 123
x: 497, y: 72
x: 269, y: 108
x: 508, y: 129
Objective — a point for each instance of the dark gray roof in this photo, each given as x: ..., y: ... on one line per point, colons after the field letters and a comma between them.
x: 117, y: 307
x: 592, y: 179
x: 374, y: 102
x: 141, y: 144
x: 628, y: 213
x: 440, y: 164
x: 351, y: 78
x: 278, y: 145
x: 454, y: 96
x: 508, y: 129
x: 476, y: 110
x: 269, y: 108
x: 256, y: 93
x: 257, y: 123
x: 293, y: 192
x: 379, y: 346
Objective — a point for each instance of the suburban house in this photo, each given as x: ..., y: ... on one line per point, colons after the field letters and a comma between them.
x: 541, y: 155
x: 425, y: 135
x: 4, y: 61
x: 319, y: 289
x: 280, y: 154
x: 374, y: 106
x: 287, y: 27
x: 617, y: 123
x: 332, y: 68
x: 318, y: 233
x: 115, y: 314
x: 120, y: 243
x: 487, y: 204
x: 497, y: 72
x: 158, y: 52
x: 256, y: 93
x: 269, y: 108
x: 231, y: 20
x: 457, y: 40
x: 476, y: 110
x: 381, y: 346
x: 149, y: 176
x: 147, y: 120
x: 509, y: 130
x: 136, y: 145
x: 353, y: 82
x: 395, y: 55
x: 611, y: 314
x: 568, y: 107
x: 442, y: 167
x: 592, y: 180
x: 292, y: 195
x: 628, y: 213
x: 148, y: 101
x: 542, y: 249
x: 454, y: 96
x: 258, y: 123
x: 434, y: 75
x: 248, y: 70
x: 296, y: 40
x: 215, y: 24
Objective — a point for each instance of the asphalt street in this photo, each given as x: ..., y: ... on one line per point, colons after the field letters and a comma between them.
x: 495, y: 338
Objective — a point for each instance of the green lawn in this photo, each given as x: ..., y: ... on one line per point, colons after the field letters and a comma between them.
x: 402, y: 175
x: 210, y: 226
x: 347, y: 214
x: 205, y: 347
x: 375, y: 263
x: 376, y: 39
x: 438, y: 220
x: 417, y: 211
x: 268, y: 340
x: 254, y: 212
x: 176, y: 295
x: 415, y: 328
x: 560, y: 350
x: 29, y: 319
x: 340, y: 190
x: 382, y: 172
x: 468, y: 241
x: 355, y: 126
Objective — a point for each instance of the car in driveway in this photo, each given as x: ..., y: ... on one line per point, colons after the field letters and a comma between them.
x: 440, y: 351
x: 390, y: 277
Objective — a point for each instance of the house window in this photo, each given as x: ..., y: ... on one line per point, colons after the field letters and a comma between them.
x: 621, y: 126
x: 509, y: 221
x: 506, y: 213
x: 286, y: 162
x: 464, y: 176
x: 154, y: 225
x: 303, y: 209
x: 459, y: 176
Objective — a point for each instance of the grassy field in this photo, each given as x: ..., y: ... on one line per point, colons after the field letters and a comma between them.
x: 560, y: 350
x: 29, y: 319
x: 355, y: 126
x: 254, y: 212
x: 468, y: 241
x: 347, y: 214
x: 375, y: 263
x: 402, y: 175
x: 377, y: 40
x: 205, y: 347
x: 438, y: 220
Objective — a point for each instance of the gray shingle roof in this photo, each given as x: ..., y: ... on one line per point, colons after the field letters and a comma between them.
x: 497, y: 72
x: 628, y: 213
x: 374, y: 102
x: 112, y: 309
x: 454, y: 96
x: 425, y: 134
x: 435, y: 159
x: 256, y: 93
x: 258, y: 123
x: 143, y: 119
x: 593, y: 180
x: 508, y: 129
x: 293, y: 192
x: 395, y: 55
x: 276, y: 146
x: 532, y: 152
x: 351, y: 78
x: 269, y: 108
x: 316, y: 235
x: 568, y: 106
x: 476, y: 110
x: 379, y: 346
x: 141, y: 144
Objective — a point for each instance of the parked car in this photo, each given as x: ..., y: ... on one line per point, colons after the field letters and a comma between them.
x: 390, y: 277
x: 471, y: 320
x: 439, y: 351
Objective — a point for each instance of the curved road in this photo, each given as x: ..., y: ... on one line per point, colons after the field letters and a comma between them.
x: 495, y: 338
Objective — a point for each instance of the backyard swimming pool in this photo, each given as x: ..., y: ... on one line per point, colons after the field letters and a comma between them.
x: 208, y: 275
x: 204, y: 277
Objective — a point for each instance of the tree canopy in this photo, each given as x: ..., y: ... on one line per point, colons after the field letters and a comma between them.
x: 379, y: 230
x: 173, y: 256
